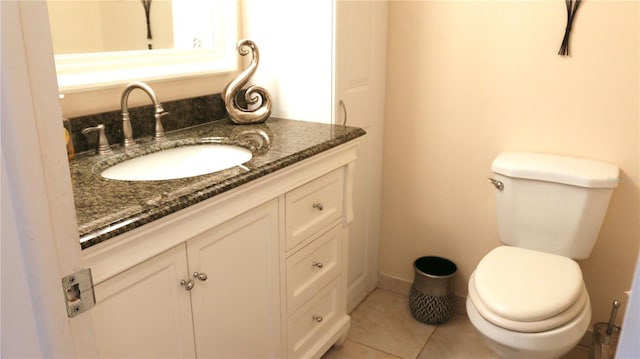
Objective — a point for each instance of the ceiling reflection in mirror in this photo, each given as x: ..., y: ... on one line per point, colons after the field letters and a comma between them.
x: 126, y: 25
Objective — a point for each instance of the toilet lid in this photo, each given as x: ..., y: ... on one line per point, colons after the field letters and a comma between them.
x: 524, y: 285
x: 528, y: 327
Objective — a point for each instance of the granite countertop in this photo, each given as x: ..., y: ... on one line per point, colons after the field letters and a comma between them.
x: 106, y: 208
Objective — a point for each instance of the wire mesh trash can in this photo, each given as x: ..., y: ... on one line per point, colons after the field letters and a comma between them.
x: 431, y: 297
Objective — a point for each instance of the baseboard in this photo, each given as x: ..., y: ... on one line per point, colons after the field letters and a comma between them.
x: 396, y: 285
x: 403, y: 287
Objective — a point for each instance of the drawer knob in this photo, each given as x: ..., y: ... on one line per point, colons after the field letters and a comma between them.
x: 317, y: 264
x: 317, y: 318
x: 201, y: 276
x: 319, y: 206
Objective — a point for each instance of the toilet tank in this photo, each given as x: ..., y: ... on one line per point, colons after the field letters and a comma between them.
x: 552, y: 203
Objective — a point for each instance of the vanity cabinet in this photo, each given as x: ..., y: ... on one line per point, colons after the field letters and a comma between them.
x: 258, y: 272
x: 146, y: 313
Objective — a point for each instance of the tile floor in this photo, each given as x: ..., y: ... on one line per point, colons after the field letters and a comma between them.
x: 382, y: 328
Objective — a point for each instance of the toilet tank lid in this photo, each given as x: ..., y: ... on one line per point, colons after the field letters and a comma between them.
x: 553, y: 168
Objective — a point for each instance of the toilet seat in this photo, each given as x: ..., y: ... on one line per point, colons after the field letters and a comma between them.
x: 527, y: 291
x: 530, y: 326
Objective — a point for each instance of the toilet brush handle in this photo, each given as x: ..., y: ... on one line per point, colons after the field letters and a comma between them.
x: 612, y: 318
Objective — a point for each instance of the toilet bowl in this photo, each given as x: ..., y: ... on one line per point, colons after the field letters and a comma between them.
x: 528, y: 298
x: 528, y: 304
x: 544, y: 345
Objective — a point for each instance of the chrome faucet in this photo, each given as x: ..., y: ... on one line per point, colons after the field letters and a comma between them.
x: 126, y: 121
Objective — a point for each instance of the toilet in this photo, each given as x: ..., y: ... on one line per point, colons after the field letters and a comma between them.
x: 527, y: 298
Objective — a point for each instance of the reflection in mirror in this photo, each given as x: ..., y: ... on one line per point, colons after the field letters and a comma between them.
x: 104, y: 43
x: 107, y: 25
x: 100, y: 26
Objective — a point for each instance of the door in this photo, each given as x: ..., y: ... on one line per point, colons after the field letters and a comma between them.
x: 236, y: 309
x: 144, y: 312
x: 37, y: 191
x: 360, y: 94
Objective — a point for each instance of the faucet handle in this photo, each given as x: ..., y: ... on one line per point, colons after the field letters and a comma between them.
x: 103, y: 144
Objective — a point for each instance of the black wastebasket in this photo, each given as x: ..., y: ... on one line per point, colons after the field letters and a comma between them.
x: 431, y: 297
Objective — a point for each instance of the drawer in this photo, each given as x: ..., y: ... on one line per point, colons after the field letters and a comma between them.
x: 313, y: 206
x: 313, y: 267
x: 316, y: 318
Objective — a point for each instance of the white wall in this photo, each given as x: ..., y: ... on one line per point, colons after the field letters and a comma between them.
x: 467, y: 80
x: 296, y: 55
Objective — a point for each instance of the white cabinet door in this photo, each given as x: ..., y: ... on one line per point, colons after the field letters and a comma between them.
x: 236, y: 310
x: 360, y: 95
x: 144, y: 312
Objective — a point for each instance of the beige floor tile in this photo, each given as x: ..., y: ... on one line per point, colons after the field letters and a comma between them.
x: 353, y: 350
x: 456, y: 338
x: 382, y: 328
x: 383, y: 321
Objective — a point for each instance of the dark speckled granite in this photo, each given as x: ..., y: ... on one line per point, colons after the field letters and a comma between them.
x: 106, y: 208
x: 182, y: 113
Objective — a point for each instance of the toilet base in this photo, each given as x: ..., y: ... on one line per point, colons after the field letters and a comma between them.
x: 546, y: 345
x: 504, y: 352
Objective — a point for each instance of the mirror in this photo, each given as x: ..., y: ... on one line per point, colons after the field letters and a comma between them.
x: 104, y: 43
x: 105, y: 26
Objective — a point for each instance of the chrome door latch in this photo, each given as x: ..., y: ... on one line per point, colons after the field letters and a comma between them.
x: 78, y: 292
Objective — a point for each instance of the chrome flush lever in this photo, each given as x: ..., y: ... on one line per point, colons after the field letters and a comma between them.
x: 498, y: 184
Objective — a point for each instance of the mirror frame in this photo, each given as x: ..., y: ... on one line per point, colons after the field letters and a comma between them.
x: 101, y: 70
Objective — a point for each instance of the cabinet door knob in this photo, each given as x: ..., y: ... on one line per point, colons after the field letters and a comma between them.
x: 317, y: 264
x: 201, y: 276
x: 319, y: 206
x: 188, y: 285
x: 317, y: 318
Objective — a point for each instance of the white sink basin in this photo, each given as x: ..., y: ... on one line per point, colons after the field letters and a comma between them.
x: 179, y: 162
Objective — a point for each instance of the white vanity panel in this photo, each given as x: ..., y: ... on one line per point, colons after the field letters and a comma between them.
x: 144, y: 312
x: 236, y: 310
